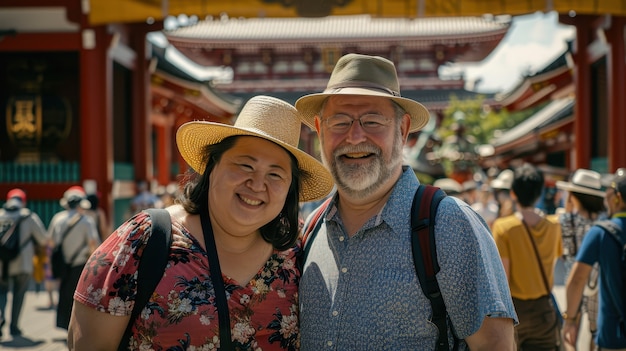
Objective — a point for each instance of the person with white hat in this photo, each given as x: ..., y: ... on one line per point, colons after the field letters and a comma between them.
x: 359, y: 288
x: 239, y: 206
x: 501, y: 187
x: 606, y: 249
x: 584, y: 204
x: 15, y: 274
x: 77, y: 237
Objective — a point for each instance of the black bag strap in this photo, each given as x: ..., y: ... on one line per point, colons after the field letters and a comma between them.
x: 76, y: 218
x: 223, y: 316
x: 425, y: 204
x: 72, y: 222
x: 151, y: 266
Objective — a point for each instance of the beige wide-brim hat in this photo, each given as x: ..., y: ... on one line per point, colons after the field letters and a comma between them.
x: 504, y: 180
x: 583, y: 181
x: 356, y: 74
x: 263, y: 117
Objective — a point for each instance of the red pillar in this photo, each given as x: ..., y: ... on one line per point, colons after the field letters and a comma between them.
x: 582, y: 108
x: 164, y: 153
x: 141, y: 124
x: 617, y: 91
x: 96, y: 123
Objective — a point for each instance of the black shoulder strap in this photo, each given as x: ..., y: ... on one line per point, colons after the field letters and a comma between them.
x: 425, y: 205
x: 311, y: 230
x: 151, y: 265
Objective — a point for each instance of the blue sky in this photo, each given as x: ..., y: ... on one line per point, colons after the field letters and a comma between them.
x: 532, y: 42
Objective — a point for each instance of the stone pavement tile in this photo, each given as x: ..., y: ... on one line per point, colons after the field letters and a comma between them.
x: 37, y: 323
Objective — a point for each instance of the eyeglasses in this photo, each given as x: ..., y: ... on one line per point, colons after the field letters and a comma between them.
x: 370, y: 122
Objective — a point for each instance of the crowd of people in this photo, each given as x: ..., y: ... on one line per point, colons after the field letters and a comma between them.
x: 245, y: 269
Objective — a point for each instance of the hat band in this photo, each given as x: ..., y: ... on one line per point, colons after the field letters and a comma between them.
x: 587, y: 187
x: 359, y: 84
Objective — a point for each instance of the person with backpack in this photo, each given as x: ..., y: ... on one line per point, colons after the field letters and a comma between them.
x: 584, y: 205
x: 605, y: 244
x: 530, y: 244
x: 229, y: 280
x: 73, y: 236
x: 360, y: 289
x: 16, y: 262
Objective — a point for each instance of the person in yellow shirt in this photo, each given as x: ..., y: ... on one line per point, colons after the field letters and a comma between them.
x: 529, y: 246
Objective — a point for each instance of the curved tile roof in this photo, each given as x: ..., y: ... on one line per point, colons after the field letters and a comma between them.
x: 333, y: 28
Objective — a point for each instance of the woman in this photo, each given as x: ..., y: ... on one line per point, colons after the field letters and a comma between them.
x: 584, y: 204
x: 251, y: 178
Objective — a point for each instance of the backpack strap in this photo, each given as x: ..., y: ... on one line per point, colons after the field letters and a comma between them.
x: 151, y: 266
x: 311, y: 231
x: 423, y: 213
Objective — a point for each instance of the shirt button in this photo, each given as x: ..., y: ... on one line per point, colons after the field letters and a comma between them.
x: 329, y: 343
x: 335, y: 313
x: 341, y: 238
x: 344, y: 270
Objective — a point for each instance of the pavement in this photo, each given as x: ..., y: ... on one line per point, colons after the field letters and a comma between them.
x: 37, y: 323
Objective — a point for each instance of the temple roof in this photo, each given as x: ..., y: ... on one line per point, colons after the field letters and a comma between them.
x: 481, y: 34
x: 341, y: 27
x: 553, y: 112
x: 433, y: 99
x: 169, y: 81
x: 552, y: 82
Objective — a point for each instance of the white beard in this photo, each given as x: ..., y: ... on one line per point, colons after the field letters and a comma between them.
x: 361, y: 180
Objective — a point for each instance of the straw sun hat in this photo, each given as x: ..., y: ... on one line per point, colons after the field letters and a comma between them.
x: 583, y: 181
x: 264, y: 117
x: 356, y: 74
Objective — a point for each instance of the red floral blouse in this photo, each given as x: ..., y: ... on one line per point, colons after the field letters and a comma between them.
x: 182, y: 314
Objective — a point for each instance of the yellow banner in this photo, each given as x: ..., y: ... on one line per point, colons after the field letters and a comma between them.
x: 111, y: 11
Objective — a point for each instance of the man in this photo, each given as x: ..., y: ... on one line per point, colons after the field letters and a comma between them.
x: 529, y: 245
x: 78, y: 236
x: 359, y: 289
x: 32, y: 233
x: 599, y: 247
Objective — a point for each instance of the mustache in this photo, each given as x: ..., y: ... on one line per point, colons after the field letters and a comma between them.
x: 361, y: 148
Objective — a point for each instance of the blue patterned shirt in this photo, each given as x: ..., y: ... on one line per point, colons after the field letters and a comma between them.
x: 362, y: 292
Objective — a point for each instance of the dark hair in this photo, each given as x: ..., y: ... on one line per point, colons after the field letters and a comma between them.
x: 527, y: 184
x: 93, y: 199
x: 591, y: 203
x: 194, y: 197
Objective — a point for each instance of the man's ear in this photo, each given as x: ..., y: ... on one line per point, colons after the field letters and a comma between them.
x: 405, y: 126
x: 317, y: 124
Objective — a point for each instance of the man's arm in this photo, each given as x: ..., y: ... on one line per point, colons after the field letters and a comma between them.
x: 494, y: 334
x: 574, y: 293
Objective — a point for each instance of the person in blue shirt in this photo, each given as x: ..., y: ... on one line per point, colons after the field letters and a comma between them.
x: 598, y: 246
x: 359, y: 289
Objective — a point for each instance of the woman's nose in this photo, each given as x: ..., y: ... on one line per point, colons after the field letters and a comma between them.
x: 256, y: 182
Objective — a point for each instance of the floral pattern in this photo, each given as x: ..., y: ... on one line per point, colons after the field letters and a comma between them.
x: 182, y: 313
